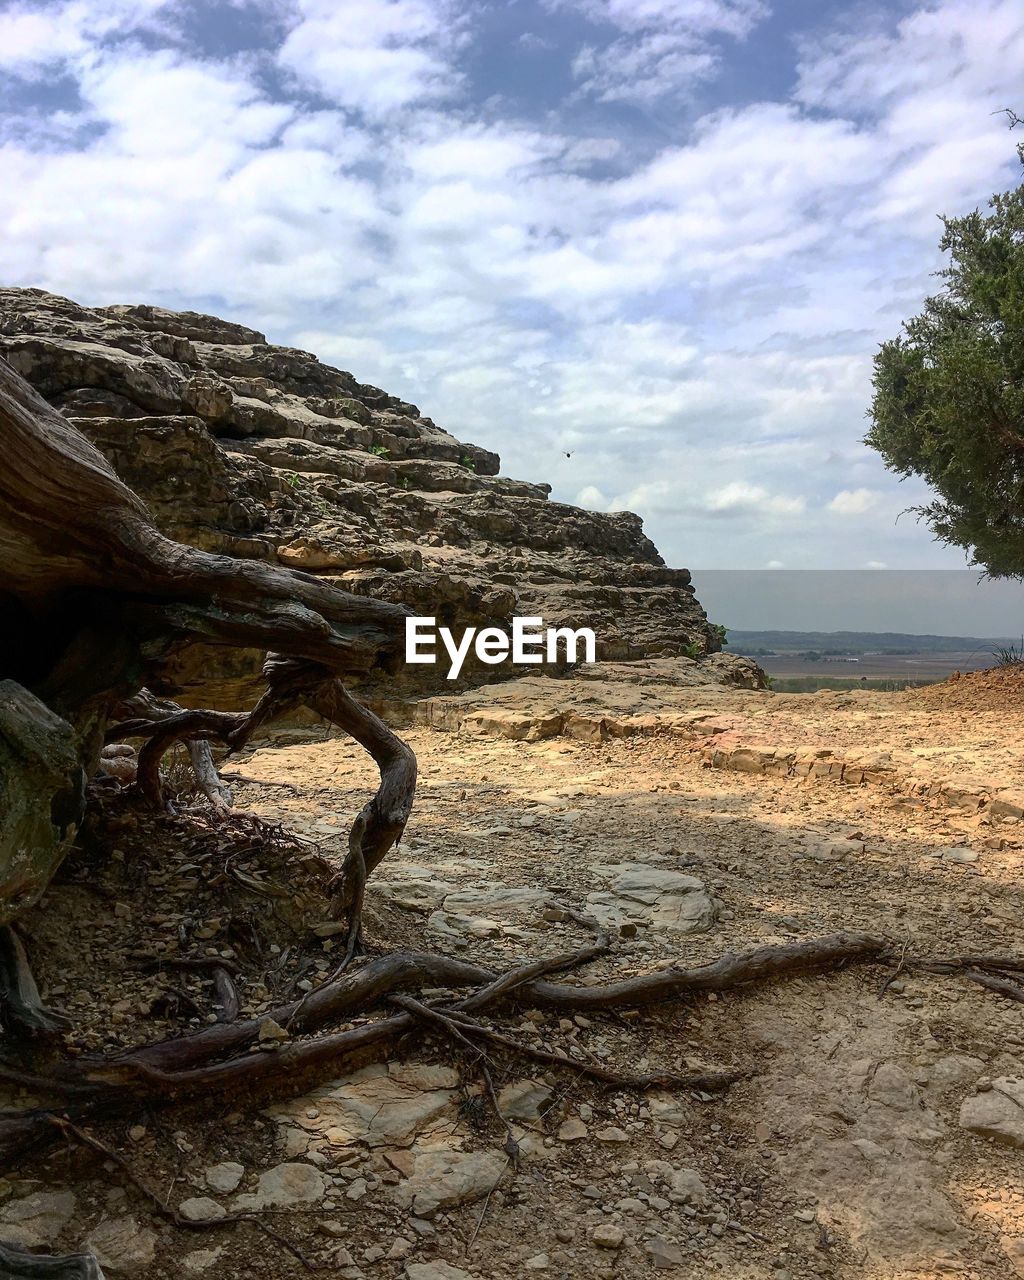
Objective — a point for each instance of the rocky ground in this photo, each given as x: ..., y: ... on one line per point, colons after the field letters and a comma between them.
x: 879, y: 1134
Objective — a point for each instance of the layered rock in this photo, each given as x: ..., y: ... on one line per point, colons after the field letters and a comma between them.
x: 256, y: 450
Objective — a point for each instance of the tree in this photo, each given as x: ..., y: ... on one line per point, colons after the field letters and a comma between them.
x: 949, y: 391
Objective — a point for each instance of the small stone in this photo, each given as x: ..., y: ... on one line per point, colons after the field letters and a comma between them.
x: 285, y: 1185
x: 435, y: 1271
x: 201, y: 1209
x: 333, y: 1228
x: 606, y: 1235
x: 201, y: 1260
x: 357, y: 1189
x: 688, y: 1187
x: 137, y: 1132
x: 400, y: 1248
x: 564, y: 1234
x: 804, y: 1215
x: 272, y: 1032
x: 224, y: 1177
x: 572, y: 1130
x: 663, y: 1253
x: 960, y: 854
x: 612, y: 1133
x: 539, y: 1262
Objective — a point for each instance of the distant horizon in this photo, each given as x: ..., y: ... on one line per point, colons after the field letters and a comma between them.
x: 875, y: 635
x: 906, y: 601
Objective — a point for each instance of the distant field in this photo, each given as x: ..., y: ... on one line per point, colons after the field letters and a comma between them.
x: 793, y: 673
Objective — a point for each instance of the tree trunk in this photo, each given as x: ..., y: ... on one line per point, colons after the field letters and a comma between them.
x: 94, y: 599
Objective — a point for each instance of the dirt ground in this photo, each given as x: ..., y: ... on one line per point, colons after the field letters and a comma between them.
x: 880, y: 1133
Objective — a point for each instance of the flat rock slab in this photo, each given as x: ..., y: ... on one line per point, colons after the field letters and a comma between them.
x: 997, y: 1113
x: 123, y: 1246
x: 442, y: 1179
x: 385, y: 1105
x: 488, y: 911
x: 286, y: 1184
x: 35, y: 1221
x: 663, y: 900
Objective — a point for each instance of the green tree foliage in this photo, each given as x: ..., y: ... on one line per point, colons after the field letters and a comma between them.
x: 949, y: 391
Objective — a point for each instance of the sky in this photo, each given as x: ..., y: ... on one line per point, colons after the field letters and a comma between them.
x: 662, y: 237
x: 937, y: 602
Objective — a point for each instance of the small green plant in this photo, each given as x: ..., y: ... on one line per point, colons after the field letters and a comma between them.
x: 693, y: 650
x: 380, y: 451
x: 466, y: 461
x: 292, y: 478
x: 1011, y: 655
x: 720, y: 634
x: 404, y: 482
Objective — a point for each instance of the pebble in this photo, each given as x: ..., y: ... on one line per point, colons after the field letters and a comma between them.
x: 608, y: 1236
x: 572, y: 1130
x: 663, y: 1253
x: 224, y: 1177
x: 201, y: 1209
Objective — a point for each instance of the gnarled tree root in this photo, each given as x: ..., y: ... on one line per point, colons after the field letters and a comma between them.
x: 20, y: 1264
x: 223, y: 1058
x: 20, y: 1002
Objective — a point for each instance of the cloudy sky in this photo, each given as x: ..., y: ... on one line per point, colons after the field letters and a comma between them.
x: 664, y: 236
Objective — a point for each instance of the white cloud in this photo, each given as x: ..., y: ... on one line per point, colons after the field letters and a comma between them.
x: 854, y: 502
x: 738, y: 497
x: 691, y: 318
x: 666, y: 49
x: 35, y: 37
x: 375, y: 56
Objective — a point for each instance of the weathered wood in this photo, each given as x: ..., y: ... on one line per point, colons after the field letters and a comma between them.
x: 94, y: 599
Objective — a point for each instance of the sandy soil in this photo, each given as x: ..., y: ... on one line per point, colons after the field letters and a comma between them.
x: 880, y: 1134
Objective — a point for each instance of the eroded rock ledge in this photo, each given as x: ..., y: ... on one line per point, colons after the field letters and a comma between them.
x: 244, y: 447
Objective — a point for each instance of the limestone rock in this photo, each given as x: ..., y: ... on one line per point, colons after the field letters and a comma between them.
x: 606, y: 1235
x: 997, y: 1113
x: 200, y: 1260
x: 436, y: 1271
x: 524, y: 1100
x: 444, y: 1178
x: 258, y: 450
x: 224, y: 1177
x: 36, y: 1220
x: 201, y: 1209
x: 662, y: 1253
x: 122, y: 1246
x: 379, y: 1106
x: 688, y: 1186
x: 665, y: 900
x: 285, y: 1185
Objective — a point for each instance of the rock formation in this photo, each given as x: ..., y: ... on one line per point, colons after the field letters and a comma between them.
x: 255, y: 450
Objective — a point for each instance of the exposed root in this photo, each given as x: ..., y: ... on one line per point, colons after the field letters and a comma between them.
x: 225, y: 1058
x: 20, y: 1002
x: 19, y: 1264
